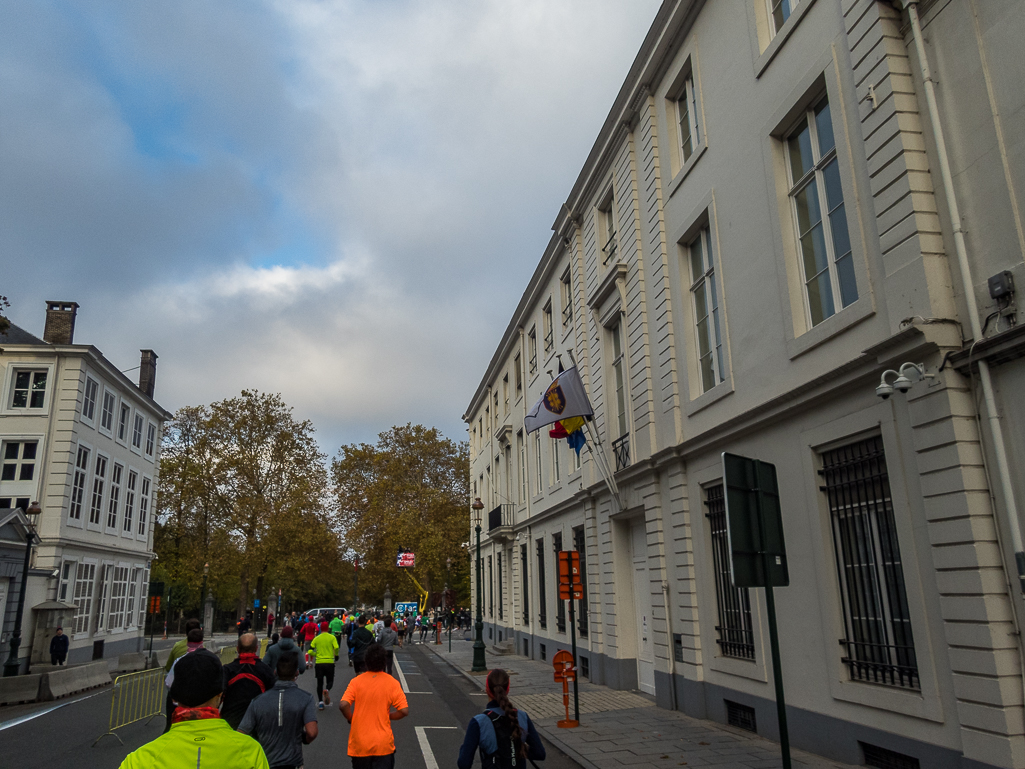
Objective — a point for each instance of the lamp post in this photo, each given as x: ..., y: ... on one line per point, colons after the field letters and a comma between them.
x: 13, y: 664
x: 448, y: 617
x: 479, y: 662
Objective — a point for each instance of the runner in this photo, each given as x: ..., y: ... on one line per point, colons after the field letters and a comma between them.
x: 285, y: 644
x: 388, y: 640
x: 503, y: 734
x: 308, y: 632
x: 424, y: 625
x: 368, y: 705
x: 359, y: 641
x: 283, y: 719
x: 325, y: 650
x: 245, y: 679
x: 336, y: 625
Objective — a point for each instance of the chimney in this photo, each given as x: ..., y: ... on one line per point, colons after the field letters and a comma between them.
x: 148, y: 372
x: 60, y: 322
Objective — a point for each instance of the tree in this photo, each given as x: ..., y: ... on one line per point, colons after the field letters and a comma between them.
x: 408, y: 491
x: 243, y: 487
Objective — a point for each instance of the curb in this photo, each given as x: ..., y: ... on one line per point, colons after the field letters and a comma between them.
x: 546, y: 731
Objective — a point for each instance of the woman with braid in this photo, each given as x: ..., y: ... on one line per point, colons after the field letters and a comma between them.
x: 505, y: 736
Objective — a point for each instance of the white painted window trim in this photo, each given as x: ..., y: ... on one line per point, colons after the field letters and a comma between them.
x: 83, y: 510
x: 104, y: 392
x: 8, y: 392
x: 130, y: 532
x: 122, y: 406
x: 83, y: 417
x: 89, y: 525
x: 118, y: 501
x: 143, y: 480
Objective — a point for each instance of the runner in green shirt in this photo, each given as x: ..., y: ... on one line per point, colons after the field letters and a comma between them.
x: 336, y: 626
x: 325, y: 649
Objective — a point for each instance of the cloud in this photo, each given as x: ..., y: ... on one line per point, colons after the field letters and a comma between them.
x: 339, y: 201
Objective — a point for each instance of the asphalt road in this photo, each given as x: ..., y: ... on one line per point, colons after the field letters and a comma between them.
x: 441, y: 703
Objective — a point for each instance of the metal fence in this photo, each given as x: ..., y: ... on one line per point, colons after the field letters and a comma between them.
x: 135, y: 696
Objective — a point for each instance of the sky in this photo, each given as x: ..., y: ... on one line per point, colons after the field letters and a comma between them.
x: 340, y: 201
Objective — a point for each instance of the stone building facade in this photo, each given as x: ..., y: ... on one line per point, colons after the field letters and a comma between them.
x: 761, y: 230
x: 83, y: 440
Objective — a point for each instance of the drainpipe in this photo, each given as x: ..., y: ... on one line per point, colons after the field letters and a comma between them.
x: 1006, y: 490
x: 672, y: 647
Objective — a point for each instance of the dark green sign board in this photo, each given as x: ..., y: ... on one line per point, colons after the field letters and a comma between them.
x: 156, y: 588
x: 754, y: 523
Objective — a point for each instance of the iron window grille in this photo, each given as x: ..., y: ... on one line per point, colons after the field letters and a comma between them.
x: 567, y: 315
x: 560, y: 607
x: 878, y: 641
x: 582, y: 619
x: 525, y: 586
x: 549, y: 341
x: 542, y: 616
x: 735, y: 629
x: 501, y: 592
x: 621, y: 448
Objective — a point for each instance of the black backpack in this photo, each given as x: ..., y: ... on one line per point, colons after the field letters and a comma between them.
x: 496, y: 733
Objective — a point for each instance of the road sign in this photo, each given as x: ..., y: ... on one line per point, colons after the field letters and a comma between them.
x: 759, y: 556
x: 156, y: 588
x: 411, y: 607
x: 154, y: 604
x: 755, y: 523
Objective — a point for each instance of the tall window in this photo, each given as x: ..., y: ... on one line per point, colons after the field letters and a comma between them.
x: 524, y: 585
x: 618, y: 379
x: 705, y: 298
x: 107, y: 412
x: 537, y: 462
x: 67, y: 584
x: 143, y: 506
x: 879, y: 643
x: 491, y: 589
x: 607, y: 229
x: 825, y: 246
x: 122, y: 422
x: 542, y: 616
x: 687, y: 120
x: 133, y: 589
x: 19, y: 462
x: 522, y: 451
x: 532, y: 350
x: 29, y: 391
x: 84, y: 586
x: 556, y: 470
x: 89, y: 400
x: 566, y: 286
x: 118, y: 598
x: 505, y: 392
x: 151, y: 439
x: 578, y: 543
x: 99, y: 480
x: 115, y: 495
x: 560, y: 605
x: 519, y: 373
x: 101, y: 599
x: 546, y: 326
x: 133, y: 483
x: 735, y: 630
x: 137, y: 431
x: 779, y: 11
x: 78, y: 484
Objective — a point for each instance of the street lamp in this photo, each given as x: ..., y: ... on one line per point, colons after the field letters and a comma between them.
x: 448, y: 618
x: 13, y: 665
x: 480, y: 664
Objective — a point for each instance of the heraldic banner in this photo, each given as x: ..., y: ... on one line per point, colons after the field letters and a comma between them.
x: 564, y: 398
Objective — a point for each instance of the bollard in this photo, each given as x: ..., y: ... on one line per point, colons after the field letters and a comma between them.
x: 565, y: 672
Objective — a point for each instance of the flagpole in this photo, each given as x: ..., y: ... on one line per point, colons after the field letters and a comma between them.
x: 601, y: 460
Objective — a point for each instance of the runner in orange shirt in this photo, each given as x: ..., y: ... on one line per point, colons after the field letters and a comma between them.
x: 371, y: 702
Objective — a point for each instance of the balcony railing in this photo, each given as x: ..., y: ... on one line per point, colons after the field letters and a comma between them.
x: 567, y: 315
x: 609, y: 249
x: 549, y: 341
x: 499, y: 517
x: 621, y: 448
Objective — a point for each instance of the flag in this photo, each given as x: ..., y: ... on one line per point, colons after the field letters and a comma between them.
x: 564, y: 398
x: 576, y: 440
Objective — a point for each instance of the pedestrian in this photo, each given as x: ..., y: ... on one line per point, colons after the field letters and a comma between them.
x: 424, y: 625
x: 308, y: 632
x: 378, y: 627
x: 284, y: 645
x: 270, y: 623
x: 245, y: 679
x: 274, y: 638
x: 400, y: 630
x: 283, y: 719
x: 504, y: 735
x: 59, y: 648
x: 388, y: 640
x: 325, y: 651
x: 193, y: 642
x: 359, y: 642
x: 198, y: 737
x: 371, y: 702
x: 336, y: 626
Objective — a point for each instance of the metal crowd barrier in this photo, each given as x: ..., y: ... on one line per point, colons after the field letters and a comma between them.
x: 135, y: 696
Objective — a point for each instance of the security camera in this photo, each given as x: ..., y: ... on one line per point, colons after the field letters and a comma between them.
x: 901, y: 383
x: 884, y: 390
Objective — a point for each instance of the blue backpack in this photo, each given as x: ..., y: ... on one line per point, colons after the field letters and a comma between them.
x: 497, y: 746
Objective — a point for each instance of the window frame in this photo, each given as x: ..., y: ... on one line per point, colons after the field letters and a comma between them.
x: 548, y: 328
x: 128, y: 510
x: 150, y: 441
x: 19, y: 462
x: 138, y: 426
x: 716, y: 322
x: 30, y: 389
x: 688, y: 95
x: 532, y: 351
x: 539, y: 476
x: 618, y: 377
x: 79, y: 489
x: 608, y: 229
x: 815, y: 175
x: 84, y: 599
x: 87, y: 414
x: 145, y: 505
x: 107, y: 395
x: 566, y: 292
x: 770, y: 5
x: 124, y: 418
x: 98, y: 490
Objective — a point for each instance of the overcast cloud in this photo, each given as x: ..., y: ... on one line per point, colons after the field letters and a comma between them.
x: 338, y: 201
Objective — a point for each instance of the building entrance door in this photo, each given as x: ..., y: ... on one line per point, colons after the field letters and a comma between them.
x: 642, y: 604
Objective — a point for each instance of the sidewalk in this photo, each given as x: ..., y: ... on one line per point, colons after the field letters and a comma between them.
x: 619, y: 729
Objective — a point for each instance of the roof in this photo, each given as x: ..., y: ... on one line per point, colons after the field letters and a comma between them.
x: 18, y: 335
x: 14, y: 518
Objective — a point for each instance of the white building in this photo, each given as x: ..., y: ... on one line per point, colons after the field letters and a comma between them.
x: 80, y: 438
x: 762, y: 228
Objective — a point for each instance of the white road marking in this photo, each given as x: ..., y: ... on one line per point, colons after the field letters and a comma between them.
x: 425, y: 746
x: 402, y: 680
x: 30, y: 716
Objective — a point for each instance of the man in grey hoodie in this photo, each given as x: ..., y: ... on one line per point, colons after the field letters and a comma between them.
x: 284, y: 644
x: 388, y: 639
